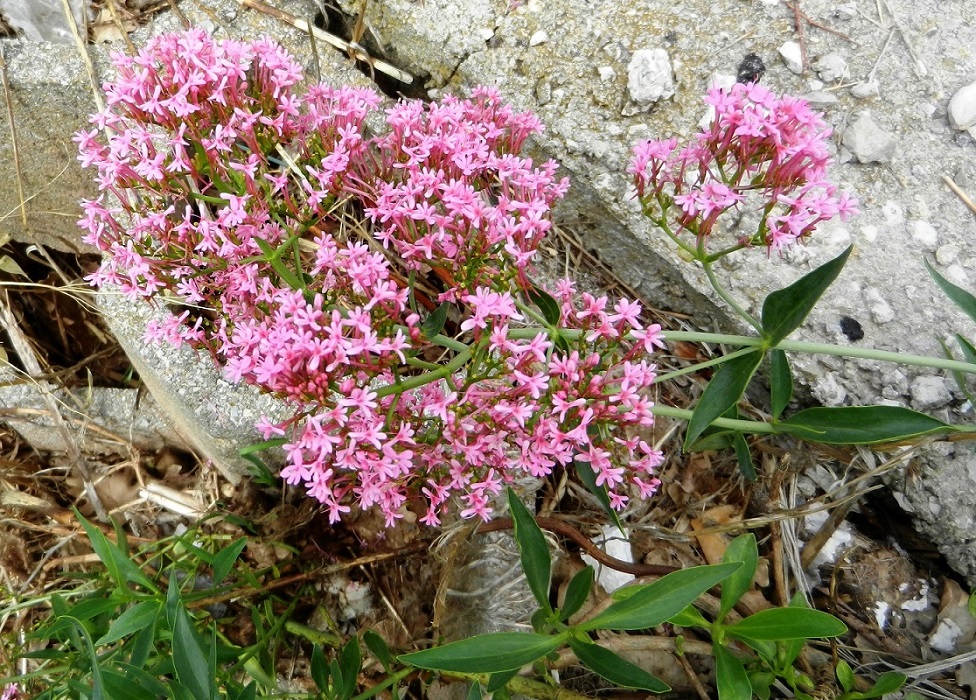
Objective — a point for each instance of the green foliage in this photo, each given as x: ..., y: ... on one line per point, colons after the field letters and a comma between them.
x: 138, y: 632
x: 786, y: 309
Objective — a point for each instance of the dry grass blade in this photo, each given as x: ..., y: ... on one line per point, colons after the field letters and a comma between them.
x: 341, y: 44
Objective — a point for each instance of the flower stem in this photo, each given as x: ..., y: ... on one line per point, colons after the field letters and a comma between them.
x: 826, y: 349
x: 727, y: 298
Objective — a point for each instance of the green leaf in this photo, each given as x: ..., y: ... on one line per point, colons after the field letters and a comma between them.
x: 140, y: 677
x: 135, y: 619
x: 588, y: 477
x: 320, y: 669
x: 731, y: 678
x: 141, y: 647
x: 248, y: 692
x: 533, y: 551
x: 486, y: 653
x: 785, y: 310
x: 640, y: 607
x: 860, y: 425
x: 845, y: 676
x: 614, y: 668
x: 689, y: 617
x: 887, y: 683
x: 190, y: 660
x: 972, y: 603
x: 743, y: 456
x: 722, y: 393
x: 547, y: 305
x: 742, y: 549
x: 957, y: 295
x: 223, y: 560
x: 787, y: 623
x: 377, y: 645
x: 121, y: 687
x: 434, y: 323
x: 577, y: 592
x: 84, y: 643
x: 120, y: 568
x: 969, y: 355
x: 475, y: 692
x: 780, y: 382
x: 350, y: 660
x: 497, y: 681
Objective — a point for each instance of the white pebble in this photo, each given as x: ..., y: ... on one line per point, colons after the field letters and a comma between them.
x: 540, y: 37
x: 650, y: 77
x: 924, y: 233
x: 792, y: 56
x: 962, y: 108
x: 607, y: 73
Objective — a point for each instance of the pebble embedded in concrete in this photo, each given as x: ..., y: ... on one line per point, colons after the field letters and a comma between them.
x: 831, y: 67
x: 868, y: 142
x: 962, y: 109
x: 929, y: 393
x: 650, y: 77
x: 792, y: 56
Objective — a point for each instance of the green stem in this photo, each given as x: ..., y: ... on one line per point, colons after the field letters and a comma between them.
x: 826, y: 349
x: 743, y: 426
x: 428, y: 377
x: 713, y: 280
x: 703, y: 365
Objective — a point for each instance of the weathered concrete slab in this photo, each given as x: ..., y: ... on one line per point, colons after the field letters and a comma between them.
x: 572, y: 63
x: 53, y: 98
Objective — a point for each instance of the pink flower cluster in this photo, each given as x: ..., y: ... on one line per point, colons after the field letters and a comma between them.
x: 310, y: 258
x: 759, y: 148
x: 10, y: 692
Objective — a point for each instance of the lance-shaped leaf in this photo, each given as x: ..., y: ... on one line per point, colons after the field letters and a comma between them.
x: 777, y: 624
x: 742, y: 549
x: 640, y: 607
x: 780, y: 382
x: 785, y: 309
x: 957, y: 295
x: 731, y: 679
x: 861, y: 425
x: 486, y: 653
x: 722, y: 393
x: 616, y: 669
x: 533, y: 551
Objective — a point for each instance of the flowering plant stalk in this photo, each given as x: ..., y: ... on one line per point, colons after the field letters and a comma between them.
x: 378, y: 284
x: 764, y: 158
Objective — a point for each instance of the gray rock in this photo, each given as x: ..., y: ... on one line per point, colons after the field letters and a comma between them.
x: 831, y: 67
x: 941, y: 495
x: 868, y: 142
x: 792, y: 56
x: 866, y: 89
x: 929, y: 393
x: 650, y: 77
x: 962, y: 108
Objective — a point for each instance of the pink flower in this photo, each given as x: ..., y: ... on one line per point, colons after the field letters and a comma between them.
x: 311, y: 254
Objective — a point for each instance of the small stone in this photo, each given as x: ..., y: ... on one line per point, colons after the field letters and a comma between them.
x: 607, y: 73
x: 947, y: 254
x: 929, y: 393
x: 792, y: 56
x: 868, y: 142
x: 650, y: 77
x: 924, y: 233
x: 880, y: 310
x: 540, y: 37
x: 831, y: 67
x: 962, y: 108
x: 820, y: 99
x: 486, y: 33
x: 866, y: 89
